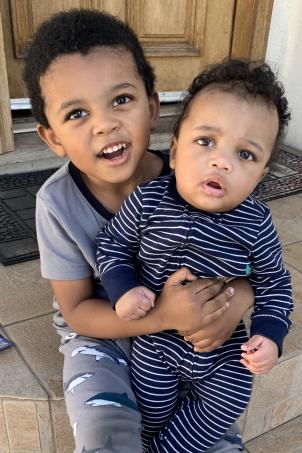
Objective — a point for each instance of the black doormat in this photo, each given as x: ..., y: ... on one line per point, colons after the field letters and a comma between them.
x: 17, y: 216
x: 17, y: 204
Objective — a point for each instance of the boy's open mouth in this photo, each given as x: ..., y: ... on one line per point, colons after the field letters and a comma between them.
x: 113, y: 152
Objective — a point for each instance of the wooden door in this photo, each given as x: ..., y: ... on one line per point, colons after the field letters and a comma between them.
x: 179, y: 36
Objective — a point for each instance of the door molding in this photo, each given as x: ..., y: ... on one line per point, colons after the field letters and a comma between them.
x: 251, y: 28
x: 6, y: 128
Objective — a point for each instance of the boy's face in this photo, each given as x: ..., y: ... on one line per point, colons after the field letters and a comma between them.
x: 222, y: 150
x: 99, y: 114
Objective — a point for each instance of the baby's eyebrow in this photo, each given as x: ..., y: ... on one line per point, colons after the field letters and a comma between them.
x: 255, y: 144
x: 209, y: 128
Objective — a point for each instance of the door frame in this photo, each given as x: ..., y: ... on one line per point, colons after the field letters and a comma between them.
x: 6, y: 127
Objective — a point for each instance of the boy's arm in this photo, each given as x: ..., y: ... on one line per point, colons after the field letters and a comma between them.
x: 117, y: 245
x: 272, y: 286
x: 198, y: 304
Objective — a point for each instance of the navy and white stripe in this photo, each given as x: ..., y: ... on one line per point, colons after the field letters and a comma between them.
x: 215, y: 400
x: 156, y: 227
x: 154, y: 234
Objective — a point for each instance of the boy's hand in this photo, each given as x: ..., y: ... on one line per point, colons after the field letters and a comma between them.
x: 135, y: 303
x: 220, y: 330
x: 192, y: 305
x: 260, y: 355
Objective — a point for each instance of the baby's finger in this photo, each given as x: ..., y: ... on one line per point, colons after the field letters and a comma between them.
x: 140, y: 312
x: 145, y: 304
x: 252, y: 357
x: 131, y: 317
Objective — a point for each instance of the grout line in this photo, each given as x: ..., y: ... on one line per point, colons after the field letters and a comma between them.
x: 13, y: 323
x: 5, y: 422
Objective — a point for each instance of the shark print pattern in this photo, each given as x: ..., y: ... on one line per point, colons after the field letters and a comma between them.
x: 107, y: 448
x: 76, y: 380
x: 74, y: 429
x: 97, y: 353
x: 70, y: 336
x: 112, y: 399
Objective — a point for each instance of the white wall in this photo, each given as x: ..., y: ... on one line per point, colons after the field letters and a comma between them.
x: 284, y: 53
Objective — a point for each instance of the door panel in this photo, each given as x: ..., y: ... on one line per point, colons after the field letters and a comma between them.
x: 179, y: 36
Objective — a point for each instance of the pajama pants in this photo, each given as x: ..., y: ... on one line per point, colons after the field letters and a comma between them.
x: 220, y: 389
x: 99, y: 399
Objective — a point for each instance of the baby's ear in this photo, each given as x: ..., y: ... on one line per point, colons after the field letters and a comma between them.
x: 154, y: 110
x: 173, y: 148
x: 49, y: 137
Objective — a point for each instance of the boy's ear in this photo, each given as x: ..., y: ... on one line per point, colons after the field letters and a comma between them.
x: 172, y: 155
x: 154, y: 108
x: 49, y: 137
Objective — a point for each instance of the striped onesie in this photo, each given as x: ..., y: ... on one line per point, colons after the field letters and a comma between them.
x: 153, y: 235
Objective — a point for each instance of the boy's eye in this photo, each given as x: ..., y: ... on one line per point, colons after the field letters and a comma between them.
x: 122, y: 99
x: 76, y: 114
x: 205, y: 141
x: 247, y: 155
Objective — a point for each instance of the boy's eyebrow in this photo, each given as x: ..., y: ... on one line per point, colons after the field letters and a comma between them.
x: 72, y: 102
x: 205, y: 127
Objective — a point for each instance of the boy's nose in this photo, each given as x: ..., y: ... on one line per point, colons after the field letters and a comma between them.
x: 105, y: 124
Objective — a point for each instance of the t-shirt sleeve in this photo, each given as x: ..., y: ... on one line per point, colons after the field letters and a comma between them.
x: 61, y: 258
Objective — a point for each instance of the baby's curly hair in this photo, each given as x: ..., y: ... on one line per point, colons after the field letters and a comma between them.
x: 251, y: 80
x: 78, y: 31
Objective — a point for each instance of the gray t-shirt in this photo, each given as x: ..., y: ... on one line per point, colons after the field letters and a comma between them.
x: 68, y: 218
x: 67, y: 224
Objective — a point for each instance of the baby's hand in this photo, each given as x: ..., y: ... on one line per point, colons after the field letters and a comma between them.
x: 135, y: 303
x: 260, y: 355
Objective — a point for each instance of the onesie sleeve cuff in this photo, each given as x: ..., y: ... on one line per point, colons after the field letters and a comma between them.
x: 126, y: 278
x: 275, y: 331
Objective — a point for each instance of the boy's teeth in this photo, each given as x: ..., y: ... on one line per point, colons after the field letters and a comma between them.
x: 113, y: 149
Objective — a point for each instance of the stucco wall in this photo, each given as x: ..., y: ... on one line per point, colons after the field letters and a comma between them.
x: 284, y: 53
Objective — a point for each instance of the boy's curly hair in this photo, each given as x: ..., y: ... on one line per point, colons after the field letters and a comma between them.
x: 251, y: 80
x: 78, y: 30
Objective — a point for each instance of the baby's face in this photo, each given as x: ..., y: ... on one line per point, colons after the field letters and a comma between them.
x: 222, y: 150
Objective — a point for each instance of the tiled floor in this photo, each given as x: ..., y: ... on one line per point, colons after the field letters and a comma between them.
x: 32, y: 414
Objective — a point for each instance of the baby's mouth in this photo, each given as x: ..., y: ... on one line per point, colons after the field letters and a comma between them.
x: 113, y: 152
x: 214, y: 185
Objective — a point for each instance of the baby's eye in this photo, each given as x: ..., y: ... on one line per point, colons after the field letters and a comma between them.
x: 76, y: 114
x: 247, y: 155
x: 122, y: 99
x: 205, y: 141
